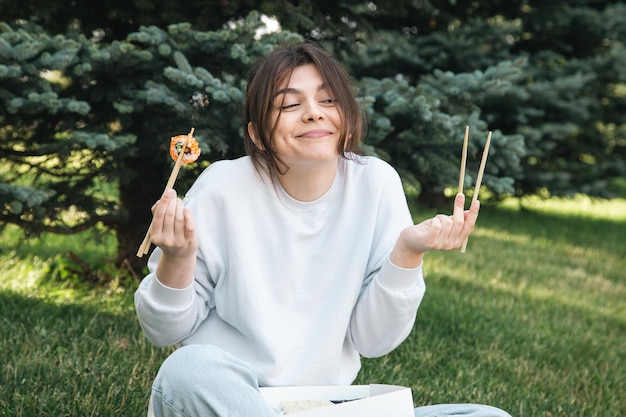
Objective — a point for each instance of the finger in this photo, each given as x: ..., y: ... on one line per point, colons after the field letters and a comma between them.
x: 471, y: 216
x: 179, y: 219
x: 459, y: 205
x: 169, y: 218
x: 190, y: 227
x: 439, y: 230
x: 458, y: 217
x: 451, y: 225
x: 160, y: 212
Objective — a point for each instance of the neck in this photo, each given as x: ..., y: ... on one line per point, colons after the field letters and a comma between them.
x: 310, y: 183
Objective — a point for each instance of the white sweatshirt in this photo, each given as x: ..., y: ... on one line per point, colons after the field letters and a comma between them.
x: 297, y: 289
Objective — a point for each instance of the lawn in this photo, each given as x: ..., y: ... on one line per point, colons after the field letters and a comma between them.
x: 531, y: 319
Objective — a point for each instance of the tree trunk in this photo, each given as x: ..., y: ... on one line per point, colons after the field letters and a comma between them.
x: 137, y: 195
x: 433, y: 196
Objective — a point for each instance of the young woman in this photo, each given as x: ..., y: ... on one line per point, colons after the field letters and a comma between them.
x: 283, y: 267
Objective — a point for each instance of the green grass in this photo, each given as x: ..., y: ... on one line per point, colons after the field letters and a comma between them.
x: 68, y: 350
x: 531, y: 319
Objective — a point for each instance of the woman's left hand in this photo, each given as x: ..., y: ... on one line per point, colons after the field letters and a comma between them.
x: 441, y: 232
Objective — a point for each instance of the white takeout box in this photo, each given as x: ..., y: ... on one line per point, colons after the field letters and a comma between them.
x: 374, y: 400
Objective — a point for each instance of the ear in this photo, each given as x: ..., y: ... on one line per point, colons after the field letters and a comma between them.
x: 254, y: 136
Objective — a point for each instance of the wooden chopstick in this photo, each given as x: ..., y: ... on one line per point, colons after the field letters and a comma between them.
x: 145, y: 244
x: 479, y: 179
x: 463, y: 160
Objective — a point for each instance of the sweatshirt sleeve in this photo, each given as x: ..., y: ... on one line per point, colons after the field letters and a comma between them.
x: 386, y: 310
x: 169, y: 315
x: 390, y: 296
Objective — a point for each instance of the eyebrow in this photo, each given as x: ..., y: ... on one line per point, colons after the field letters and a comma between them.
x: 290, y: 90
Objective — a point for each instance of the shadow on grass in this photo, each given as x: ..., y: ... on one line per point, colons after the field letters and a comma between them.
x: 71, y: 360
x: 531, y: 319
x: 527, y: 355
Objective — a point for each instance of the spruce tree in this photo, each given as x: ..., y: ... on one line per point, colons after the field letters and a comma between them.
x: 87, y: 125
x: 90, y: 96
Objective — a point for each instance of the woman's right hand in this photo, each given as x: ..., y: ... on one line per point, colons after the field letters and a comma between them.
x: 173, y: 231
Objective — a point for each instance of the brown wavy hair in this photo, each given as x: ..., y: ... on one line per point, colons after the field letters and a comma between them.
x: 264, y: 80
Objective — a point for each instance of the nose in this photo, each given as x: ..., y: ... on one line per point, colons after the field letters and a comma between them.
x: 312, y: 112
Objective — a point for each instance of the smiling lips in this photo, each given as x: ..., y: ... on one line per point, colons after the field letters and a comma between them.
x: 314, y: 134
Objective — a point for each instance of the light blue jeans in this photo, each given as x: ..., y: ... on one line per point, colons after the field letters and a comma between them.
x: 204, y: 381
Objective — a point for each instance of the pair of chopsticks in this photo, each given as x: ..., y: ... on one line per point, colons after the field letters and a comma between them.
x: 481, y: 170
x: 145, y: 245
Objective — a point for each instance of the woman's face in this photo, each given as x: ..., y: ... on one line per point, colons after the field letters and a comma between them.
x: 307, y: 120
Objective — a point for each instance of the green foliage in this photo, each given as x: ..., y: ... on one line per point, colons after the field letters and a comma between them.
x: 90, y: 96
x: 70, y: 271
x: 419, y: 128
x: 120, y: 103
